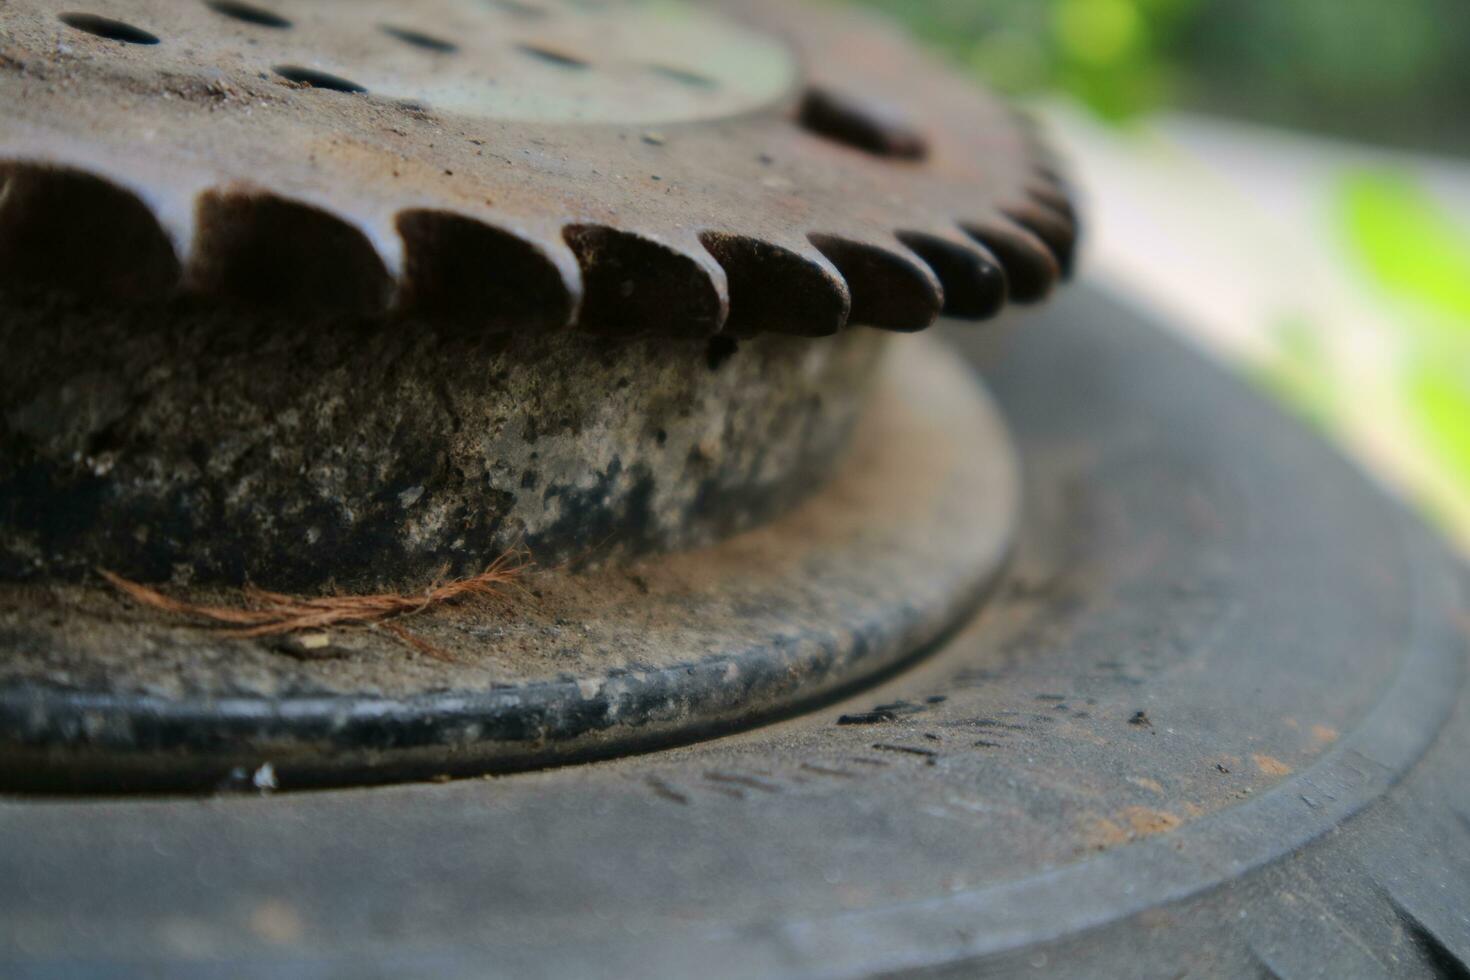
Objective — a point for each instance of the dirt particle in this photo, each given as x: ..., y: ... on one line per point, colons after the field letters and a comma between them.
x: 308, y: 646
x: 1140, y: 718
x: 264, y: 779
x: 666, y: 791
x: 906, y: 749
x: 867, y: 718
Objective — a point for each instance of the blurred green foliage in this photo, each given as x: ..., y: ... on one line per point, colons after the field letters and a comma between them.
x: 1385, y: 71
x: 1405, y: 247
x: 1112, y: 54
x: 1439, y: 395
x: 1388, y: 70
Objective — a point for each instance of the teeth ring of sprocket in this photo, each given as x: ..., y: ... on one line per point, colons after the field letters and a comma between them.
x: 516, y: 166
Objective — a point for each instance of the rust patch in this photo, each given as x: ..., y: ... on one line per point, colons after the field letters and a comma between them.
x: 1130, y: 824
x: 1102, y: 833
x: 1146, y: 822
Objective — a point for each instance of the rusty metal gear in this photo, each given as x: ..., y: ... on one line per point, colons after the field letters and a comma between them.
x: 621, y: 166
x: 254, y: 201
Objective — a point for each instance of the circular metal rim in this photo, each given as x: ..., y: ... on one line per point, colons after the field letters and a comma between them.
x: 1119, y: 884
x: 353, y: 460
x: 863, y: 626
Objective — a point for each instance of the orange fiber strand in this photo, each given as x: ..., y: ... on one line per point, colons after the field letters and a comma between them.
x: 273, y: 613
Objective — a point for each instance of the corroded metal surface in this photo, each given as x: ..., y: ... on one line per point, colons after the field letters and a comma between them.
x: 628, y: 167
x: 884, y: 560
x: 282, y: 290
x: 205, y: 448
x: 1294, y: 806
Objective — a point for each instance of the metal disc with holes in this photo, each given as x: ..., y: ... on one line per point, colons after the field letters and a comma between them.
x: 626, y: 166
x: 1213, y: 722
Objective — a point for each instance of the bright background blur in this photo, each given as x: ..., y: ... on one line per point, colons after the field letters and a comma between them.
x: 1288, y: 181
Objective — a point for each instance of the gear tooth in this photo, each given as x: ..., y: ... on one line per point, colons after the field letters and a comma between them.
x: 1056, y: 231
x: 334, y: 233
x: 1045, y: 165
x: 973, y: 280
x: 70, y: 231
x: 773, y: 288
x: 891, y: 288
x: 460, y: 269
x: 258, y: 249
x: 1046, y: 210
x: 1031, y: 268
x: 1052, y: 194
x: 635, y: 285
x: 1039, y: 153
